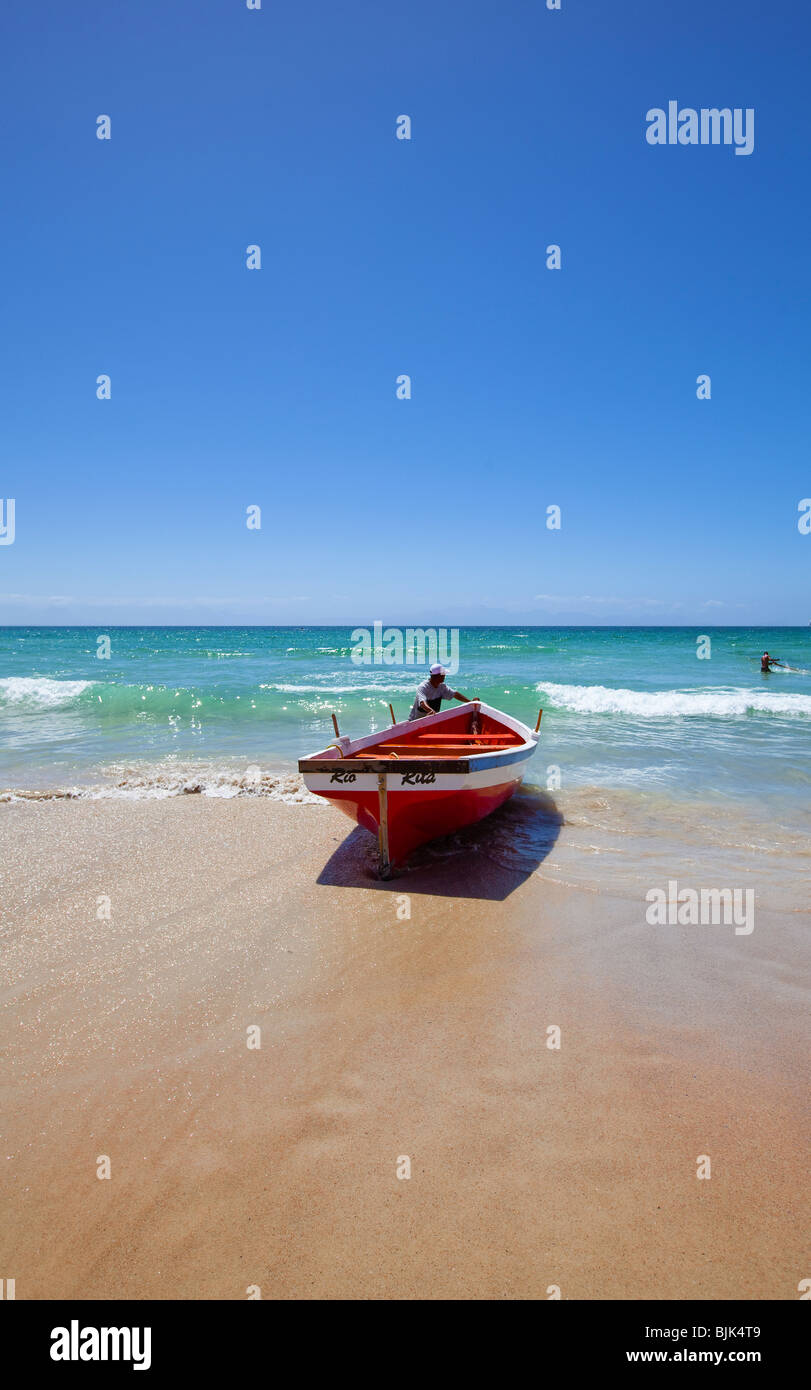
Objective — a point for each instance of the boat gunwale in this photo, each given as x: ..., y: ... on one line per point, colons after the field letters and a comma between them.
x: 346, y: 756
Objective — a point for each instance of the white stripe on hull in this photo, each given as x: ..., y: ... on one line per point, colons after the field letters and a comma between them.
x: 396, y: 781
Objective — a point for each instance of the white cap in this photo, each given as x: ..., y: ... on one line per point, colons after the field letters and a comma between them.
x: 437, y: 670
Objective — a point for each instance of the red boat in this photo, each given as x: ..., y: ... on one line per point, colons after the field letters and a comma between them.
x: 425, y: 777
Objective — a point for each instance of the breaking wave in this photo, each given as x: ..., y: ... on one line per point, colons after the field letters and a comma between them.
x: 37, y: 692
x: 673, y: 704
x: 33, y: 694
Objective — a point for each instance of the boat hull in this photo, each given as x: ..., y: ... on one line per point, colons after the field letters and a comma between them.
x: 416, y: 815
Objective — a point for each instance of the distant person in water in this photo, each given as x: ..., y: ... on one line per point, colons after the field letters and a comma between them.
x: 767, y: 662
x: 431, y: 694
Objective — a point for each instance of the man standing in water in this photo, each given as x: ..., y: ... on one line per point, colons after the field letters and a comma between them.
x: 431, y: 694
x: 767, y: 662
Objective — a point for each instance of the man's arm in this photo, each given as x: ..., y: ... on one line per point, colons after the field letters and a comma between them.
x: 457, y: 695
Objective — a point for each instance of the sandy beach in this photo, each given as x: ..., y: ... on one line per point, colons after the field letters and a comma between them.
x: 383, y: 1037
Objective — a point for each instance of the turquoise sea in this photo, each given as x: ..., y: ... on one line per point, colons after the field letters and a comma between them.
x: 623, y: 707
x: 655, y: 757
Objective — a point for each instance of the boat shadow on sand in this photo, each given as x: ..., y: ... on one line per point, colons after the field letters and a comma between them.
x: 488, y: 860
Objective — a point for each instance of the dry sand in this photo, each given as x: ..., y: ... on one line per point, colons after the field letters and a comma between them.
x: 381, y: 1038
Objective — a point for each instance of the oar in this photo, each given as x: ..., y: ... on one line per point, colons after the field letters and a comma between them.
x: 391, y: 711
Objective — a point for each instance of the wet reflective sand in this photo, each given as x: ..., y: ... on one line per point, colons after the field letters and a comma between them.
x: 384, y: 1037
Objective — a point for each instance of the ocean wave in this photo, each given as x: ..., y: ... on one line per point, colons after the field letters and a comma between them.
x: 99, y: 699
x: 30, y: 695
x: 39, y: 692
x: 719, y: 703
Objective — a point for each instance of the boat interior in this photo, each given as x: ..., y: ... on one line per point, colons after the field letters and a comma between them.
x: 470, y: 732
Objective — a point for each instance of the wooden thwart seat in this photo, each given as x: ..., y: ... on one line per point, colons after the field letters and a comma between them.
x: 413, y: 750
x: 464, y: 738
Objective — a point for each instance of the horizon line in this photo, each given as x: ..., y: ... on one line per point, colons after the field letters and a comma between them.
x: 264, y: 627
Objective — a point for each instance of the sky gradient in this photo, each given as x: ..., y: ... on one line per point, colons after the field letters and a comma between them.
x: 380, y: 256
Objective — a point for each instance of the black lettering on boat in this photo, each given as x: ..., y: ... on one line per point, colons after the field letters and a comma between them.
x: 412, y: 779
x: 343, y: 777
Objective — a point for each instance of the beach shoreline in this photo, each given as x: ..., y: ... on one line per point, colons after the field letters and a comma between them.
x: 384, y: 1036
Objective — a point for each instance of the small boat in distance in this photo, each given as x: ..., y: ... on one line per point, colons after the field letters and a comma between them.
x: 423, y: 778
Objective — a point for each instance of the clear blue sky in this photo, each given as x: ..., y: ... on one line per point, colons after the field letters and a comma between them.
x: 530, y: 387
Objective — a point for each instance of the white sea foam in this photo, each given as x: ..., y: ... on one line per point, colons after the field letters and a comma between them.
x: 719, y: 703
x: 38, y: 692
x: 158, y: 781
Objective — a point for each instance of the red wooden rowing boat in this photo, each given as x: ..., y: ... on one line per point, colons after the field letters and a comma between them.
x: 424, y: 778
